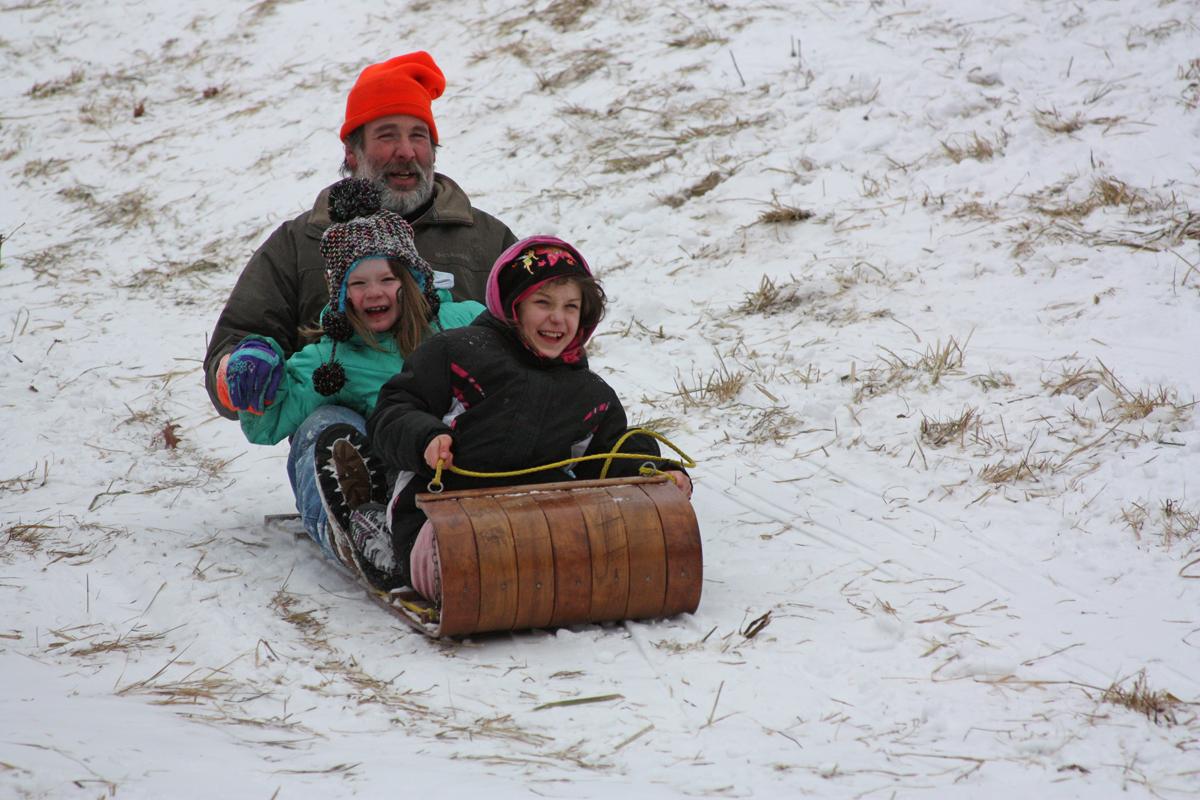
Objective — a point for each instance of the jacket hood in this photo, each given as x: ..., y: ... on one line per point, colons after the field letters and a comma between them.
x: 574, y: 350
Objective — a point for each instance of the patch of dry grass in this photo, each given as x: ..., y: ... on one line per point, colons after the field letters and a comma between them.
x: 1159, y: 706
x: 1051, y: 120
x: 974, y: 146
x: 564, y: 15
x: 975, y: 210
x: 1173, y: 522
x: 41, y: 167
x: 80, y: 194
x: 939, y: 360
x: 1008, y: 472
x: 696, y: 39
x: 579, y: 68
x: 367, y: 689
x: 625, y: 164
x: 939, y: 433
x: 1105, y: 192
x: 717, y: 387
x: 214, y: 687
x: 27, y: 538
x: 739, y: 124
x: 769, y: 298
x: 775, y: 425
x: 1082, y: 380
x: 1137, y: 36
x: 311, y: 628
x: 125, y: 212
x: 1135, y: 405
x: 993, y: 380
x: 855, y: 93
x: 133, y: 640
x: 25, y: 481
x: 663, y: 425
x: 46, y: 89
x: 702, y: 187
x: 1168, y: 231
x: 1190, y: 94
x: 1078, y: 381
x: 781, y: 214
x: 195, y: 273
x: 263, y: 9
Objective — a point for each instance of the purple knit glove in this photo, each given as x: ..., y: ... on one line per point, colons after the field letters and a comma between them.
x: 253, y: 375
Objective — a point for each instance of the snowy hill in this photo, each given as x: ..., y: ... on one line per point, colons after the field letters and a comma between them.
x: 917, y: 282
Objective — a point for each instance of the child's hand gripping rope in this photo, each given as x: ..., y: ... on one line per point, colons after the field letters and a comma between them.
x: 438, y: 454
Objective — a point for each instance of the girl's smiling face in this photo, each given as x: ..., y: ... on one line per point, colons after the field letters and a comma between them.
x: 372, y: 290
x: 548, y: 319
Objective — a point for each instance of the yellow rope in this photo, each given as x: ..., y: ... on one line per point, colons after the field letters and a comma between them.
x: 435, y: 485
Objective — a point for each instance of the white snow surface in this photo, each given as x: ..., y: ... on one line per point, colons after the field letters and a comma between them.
x: 945, y: 424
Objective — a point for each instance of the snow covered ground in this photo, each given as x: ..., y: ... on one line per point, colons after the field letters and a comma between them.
x: 915, y: 280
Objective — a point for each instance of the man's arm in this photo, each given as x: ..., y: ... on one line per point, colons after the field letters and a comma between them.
x: 265, y: 301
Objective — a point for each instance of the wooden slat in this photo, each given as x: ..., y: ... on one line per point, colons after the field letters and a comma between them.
x: 458, y: 563
x: 497, y: 564
x: 647, y: 552
x: 610, y: 554
x: 681, y: 534
x: 535, y: 561
x: 572, y: 559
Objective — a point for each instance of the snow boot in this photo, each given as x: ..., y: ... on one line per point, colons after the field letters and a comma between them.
x: 374, y: 553
x: 348, y: 478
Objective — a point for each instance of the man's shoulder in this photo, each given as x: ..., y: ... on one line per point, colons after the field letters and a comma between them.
x: 452, y: 206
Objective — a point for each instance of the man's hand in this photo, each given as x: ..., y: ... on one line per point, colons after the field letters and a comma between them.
x: 438, y: 449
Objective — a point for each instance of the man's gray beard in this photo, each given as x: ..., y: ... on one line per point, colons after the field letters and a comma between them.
x: 400, y: 202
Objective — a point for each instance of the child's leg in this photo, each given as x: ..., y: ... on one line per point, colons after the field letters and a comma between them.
x: 302, y: 472
x: 423, y: 562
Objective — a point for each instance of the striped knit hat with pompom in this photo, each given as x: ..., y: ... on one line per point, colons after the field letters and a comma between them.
x: 361, y: 229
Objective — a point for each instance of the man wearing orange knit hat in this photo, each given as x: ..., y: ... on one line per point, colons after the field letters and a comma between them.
x: 390, y: 138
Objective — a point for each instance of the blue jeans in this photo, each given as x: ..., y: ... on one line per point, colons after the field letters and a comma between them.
x: 302, y: 472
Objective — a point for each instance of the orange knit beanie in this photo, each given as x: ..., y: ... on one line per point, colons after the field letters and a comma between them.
x: 405, y: 84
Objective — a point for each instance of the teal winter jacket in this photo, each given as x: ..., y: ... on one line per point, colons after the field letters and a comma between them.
x: 367, y: 369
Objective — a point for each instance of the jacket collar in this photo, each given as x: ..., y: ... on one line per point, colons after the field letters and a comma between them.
x: 450, y: 206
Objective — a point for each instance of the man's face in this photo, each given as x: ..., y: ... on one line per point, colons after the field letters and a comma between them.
x: 397, y: 154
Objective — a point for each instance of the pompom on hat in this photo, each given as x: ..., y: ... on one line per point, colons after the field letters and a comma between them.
x: 527, y: 265
x: 361, y: 229
x: 406, y: 84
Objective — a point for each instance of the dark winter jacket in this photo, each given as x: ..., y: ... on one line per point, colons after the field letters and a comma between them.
x: 283, y: 285
x: 504, y: 407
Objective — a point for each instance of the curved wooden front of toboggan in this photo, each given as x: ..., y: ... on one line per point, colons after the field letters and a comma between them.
x: 555, y: 554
